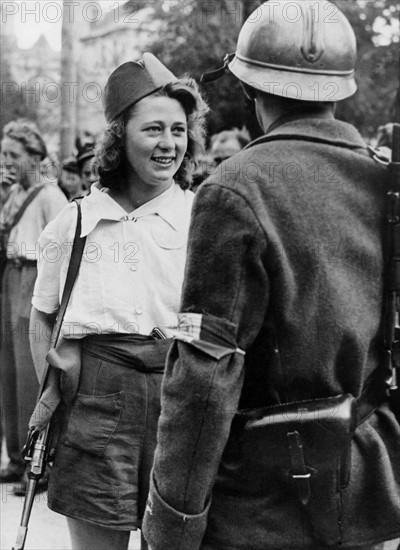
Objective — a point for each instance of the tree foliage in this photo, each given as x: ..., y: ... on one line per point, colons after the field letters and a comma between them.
x: 195, y: 36
x: 377, y: 71
x: 13, y: 104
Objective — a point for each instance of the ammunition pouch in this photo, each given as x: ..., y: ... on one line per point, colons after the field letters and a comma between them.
x: 305, y: 447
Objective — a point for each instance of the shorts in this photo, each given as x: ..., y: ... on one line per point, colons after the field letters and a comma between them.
x: 107, y: 441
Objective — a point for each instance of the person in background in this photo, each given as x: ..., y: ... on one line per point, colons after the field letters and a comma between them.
x: 70, y: 181
x: 205, y: 167
x: 7, y: 180
x: 50, y: 169
x: 222, y: 146
x: 227, y: 143
x: 22, y: 151
x: 124, y: 305
x: 87, y: 166
x: 276, y: 430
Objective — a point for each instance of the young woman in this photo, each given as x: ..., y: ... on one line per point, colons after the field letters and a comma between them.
x: 136, y: 223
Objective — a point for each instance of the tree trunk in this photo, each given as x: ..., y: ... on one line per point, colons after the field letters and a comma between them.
x: 68, y: 78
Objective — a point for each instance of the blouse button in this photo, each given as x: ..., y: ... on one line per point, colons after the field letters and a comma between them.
x: 134, y: 267
x: 139, y: 310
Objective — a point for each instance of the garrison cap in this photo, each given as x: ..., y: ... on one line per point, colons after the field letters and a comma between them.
x: 133, y: 81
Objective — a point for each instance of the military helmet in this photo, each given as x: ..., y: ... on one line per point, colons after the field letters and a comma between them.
x: 301, y: 49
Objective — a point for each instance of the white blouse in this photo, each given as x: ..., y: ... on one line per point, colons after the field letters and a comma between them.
x: 131, y: 274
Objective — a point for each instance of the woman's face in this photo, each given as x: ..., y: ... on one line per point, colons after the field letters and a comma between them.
x: 18, y: 163
x: 71, y: 183
x: 88, y: 174
x: 156, y: 141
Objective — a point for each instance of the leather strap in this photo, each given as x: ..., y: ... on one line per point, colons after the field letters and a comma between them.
x: 73, y: 268
x: 25, y: 205
x: 375, y: 392
x: 299, y: 470
x: 7, y: 229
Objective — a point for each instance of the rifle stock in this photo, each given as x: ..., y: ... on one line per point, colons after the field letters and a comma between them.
x: 35, y: 453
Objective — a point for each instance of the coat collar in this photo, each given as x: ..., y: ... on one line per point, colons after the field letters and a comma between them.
x: 331, y: 130
x: 98, y: 205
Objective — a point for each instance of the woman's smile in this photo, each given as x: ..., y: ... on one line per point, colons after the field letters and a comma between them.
x: 156, y: 142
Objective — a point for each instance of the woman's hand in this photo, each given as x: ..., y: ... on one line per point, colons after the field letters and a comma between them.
x: 7, y: 176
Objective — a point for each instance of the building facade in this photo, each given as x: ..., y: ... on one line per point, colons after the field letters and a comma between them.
x: 105, y: 38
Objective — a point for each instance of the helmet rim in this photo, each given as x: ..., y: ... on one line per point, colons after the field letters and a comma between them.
x: 327, y: 86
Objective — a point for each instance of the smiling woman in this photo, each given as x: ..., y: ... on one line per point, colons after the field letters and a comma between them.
x: 156, y: 141
x: 137, y: 219
x: 189, y: 110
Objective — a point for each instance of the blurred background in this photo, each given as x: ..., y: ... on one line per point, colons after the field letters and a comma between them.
x: 56, y: 56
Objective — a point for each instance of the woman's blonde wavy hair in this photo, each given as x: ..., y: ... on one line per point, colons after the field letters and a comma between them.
x: 110, y: 151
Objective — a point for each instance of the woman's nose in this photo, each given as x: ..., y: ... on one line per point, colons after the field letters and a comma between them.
x: 167, y: 140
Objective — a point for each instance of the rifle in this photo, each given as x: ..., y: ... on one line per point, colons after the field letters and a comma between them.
x: 391, y: 357
x: 37, y: 449
x: 35, y: 453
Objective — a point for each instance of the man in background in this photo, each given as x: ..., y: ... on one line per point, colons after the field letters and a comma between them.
x: 31, y: 204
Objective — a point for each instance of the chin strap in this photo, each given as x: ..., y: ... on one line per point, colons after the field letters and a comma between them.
x: 218, y: 73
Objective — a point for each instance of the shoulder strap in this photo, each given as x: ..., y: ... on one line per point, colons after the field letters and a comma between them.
x: 25, y: 205
x: 73, y: 268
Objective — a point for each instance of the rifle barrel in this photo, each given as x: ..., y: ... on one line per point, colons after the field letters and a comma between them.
x: 26, y: 512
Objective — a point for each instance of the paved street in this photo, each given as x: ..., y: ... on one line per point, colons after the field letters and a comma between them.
x: 47, y: 530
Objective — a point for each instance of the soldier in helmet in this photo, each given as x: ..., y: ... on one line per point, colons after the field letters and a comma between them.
x: 282, y: 304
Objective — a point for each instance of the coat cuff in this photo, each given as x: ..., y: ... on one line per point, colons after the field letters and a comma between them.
x: 164, y: 527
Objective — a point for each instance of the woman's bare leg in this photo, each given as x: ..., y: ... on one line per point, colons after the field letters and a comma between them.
x: 85, y: 536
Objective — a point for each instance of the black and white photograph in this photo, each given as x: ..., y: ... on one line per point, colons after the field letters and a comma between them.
x: 200, y: 275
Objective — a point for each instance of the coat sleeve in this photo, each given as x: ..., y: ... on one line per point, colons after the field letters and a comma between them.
x: 225, y: 296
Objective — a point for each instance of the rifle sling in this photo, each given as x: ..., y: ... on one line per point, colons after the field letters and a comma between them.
x: 73, y: 269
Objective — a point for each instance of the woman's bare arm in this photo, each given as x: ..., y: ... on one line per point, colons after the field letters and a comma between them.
x: 40, y: 329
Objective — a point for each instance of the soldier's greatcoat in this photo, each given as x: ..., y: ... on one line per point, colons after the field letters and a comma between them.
x: 285, y: 264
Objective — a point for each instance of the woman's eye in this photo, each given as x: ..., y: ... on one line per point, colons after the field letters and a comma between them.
x: 154, y: 129
x: 179, y: 130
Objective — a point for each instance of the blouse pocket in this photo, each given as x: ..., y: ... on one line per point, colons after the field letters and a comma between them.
x: 168, y: 238
x: 93, y: 420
